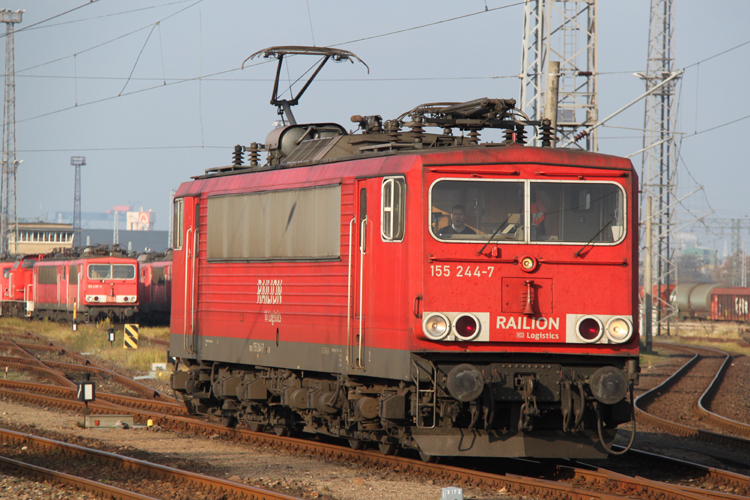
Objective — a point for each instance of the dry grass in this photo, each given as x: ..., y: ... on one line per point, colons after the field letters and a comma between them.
x: 93, y: 339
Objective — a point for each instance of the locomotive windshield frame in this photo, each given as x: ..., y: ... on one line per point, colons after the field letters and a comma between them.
x: 550, y: 212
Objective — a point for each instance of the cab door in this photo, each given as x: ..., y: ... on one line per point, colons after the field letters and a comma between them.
x: 186, y: 230
x: 358, y: 263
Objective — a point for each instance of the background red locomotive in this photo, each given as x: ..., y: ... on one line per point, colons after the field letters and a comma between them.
x: 155, y: 287
x: 89, y: 284
x: 324, y: 292
x: 17, y: 282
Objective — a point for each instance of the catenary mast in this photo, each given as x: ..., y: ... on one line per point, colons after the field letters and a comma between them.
x: 77, y: 162
x: 563, y: 31
x: 8, y: 201
x: 659, y: 172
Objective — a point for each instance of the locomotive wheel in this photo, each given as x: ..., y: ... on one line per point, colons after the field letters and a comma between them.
x: 356, y: 444
x: 257, y: 426
x: 428, y: 459
x: 281, y: 430
x: 229, y: 422
x: 387, y: 448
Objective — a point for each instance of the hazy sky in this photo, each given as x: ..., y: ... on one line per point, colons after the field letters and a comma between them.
x: 151, y: 92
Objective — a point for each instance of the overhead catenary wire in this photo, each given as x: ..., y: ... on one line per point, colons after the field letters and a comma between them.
x: 390, y: 33
x: 138, y: 58
x: 85, y: 19
x: 25, y: 28
x: 196, y: 2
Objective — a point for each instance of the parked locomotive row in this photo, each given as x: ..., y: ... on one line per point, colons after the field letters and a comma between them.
x: 88, y: 284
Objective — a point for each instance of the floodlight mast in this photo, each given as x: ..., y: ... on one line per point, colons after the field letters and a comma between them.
x: 285, y: 105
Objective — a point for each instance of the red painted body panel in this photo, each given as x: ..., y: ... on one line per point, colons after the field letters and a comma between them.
x: 155, y: 294
x: 306, y: 302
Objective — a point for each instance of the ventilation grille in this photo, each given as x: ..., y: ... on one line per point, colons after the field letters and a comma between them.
x: 311, y: 150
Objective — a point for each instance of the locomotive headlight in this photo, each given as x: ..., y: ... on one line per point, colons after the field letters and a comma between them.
x: 619, y: 329
x: 436, y: 326
x: 589, y: 329
x: 465, y: 382
x: 466, y: 327
x: 609, y: 385
x: 528, y: 263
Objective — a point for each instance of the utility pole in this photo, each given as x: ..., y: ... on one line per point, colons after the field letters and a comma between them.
x: 564, y: 31
x: 116, y: 235
x: 659, y: 169
x: 77, y: 162
x: 8, y: 201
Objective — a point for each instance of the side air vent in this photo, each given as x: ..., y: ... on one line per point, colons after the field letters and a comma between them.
x: 311, y: 150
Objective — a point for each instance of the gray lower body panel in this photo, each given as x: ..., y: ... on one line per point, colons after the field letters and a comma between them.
x: 539, y: 444
x: 380, y: 363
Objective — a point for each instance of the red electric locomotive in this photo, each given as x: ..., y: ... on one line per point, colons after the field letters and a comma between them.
x: 155, y: 287
x: 413, y: 290
x: 88, y: 285
x: 17, y: 287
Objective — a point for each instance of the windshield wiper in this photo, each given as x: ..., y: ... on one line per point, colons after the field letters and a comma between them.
x: 495, y: 233
x: 578, y: 253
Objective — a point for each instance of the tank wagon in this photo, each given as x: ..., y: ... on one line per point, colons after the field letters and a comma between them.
x: 410, y: 289
x: 712, y: 301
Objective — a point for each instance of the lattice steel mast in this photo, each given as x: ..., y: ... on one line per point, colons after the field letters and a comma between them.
x: 8, y: 201
x: 659, y: 169
x: 564, y: 31
x: 77, y: 162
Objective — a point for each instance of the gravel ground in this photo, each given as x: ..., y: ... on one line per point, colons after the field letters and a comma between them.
x: 309, y: 476
x: 271, y: 469
x: 24, y: 489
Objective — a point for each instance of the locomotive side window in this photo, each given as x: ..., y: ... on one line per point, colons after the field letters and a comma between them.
x: 392, y: 214
x: 47, y: 275
x: 296, y: 224
x: 73, y: 274
x: 177, y: 225
x: 477, y: 210
x: 576, y: 212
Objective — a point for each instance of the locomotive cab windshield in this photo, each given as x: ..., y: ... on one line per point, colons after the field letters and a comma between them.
x: 558, y: 212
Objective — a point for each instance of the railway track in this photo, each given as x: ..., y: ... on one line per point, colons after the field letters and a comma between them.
x: 148, y: 479
x: 57, y: 370
x: 701, y: 403
x: 565, y: 482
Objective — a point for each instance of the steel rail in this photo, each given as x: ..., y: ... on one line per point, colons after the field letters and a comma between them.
x: 720, y: 477
x: 84, y: 366
x: 674, y: 427
x: 29, y: 365
x: 723, y: 478
x: 701, y: 405
x: 222, y: 487
x: 95, y: 487
x: 125, y: 401
x: 613, y: 486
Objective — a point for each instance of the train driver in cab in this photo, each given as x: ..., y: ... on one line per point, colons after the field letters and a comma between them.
x: 457, y: 226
